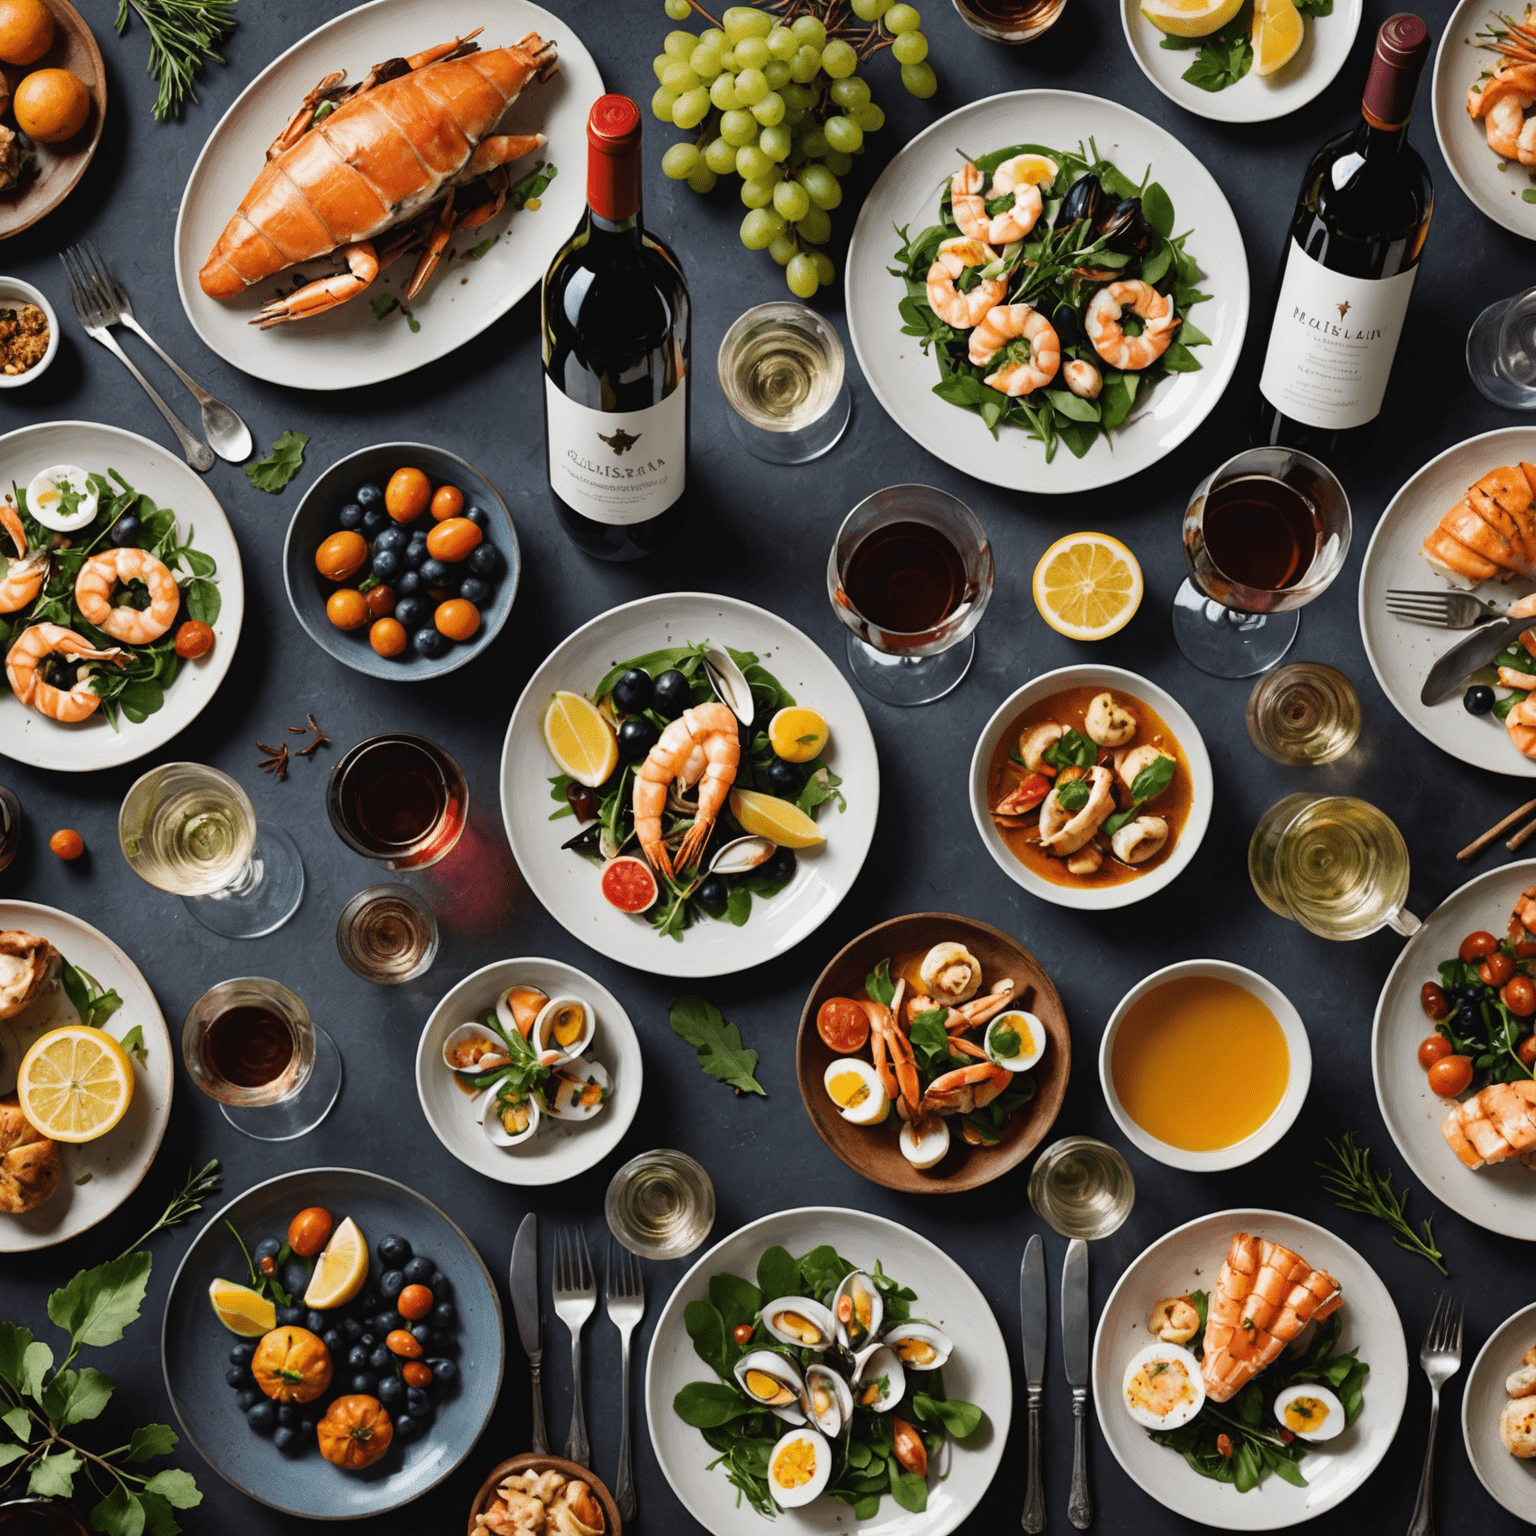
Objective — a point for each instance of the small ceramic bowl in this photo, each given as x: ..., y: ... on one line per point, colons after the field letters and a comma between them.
x: 315, y: 520
x: 14, y: 292
x: 1095, y: 898
x: 529, y: 1462
x: 1284, y: 1116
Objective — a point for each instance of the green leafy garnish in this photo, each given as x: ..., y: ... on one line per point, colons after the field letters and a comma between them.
x: 1072, y: 750
x: 1073, y: 795
x: 1357, y: 1186
x: 94, y: 1005
x: 1147, y: 785
x: 286, y: 459
x: 183, y: 36
x: 721, y: 1053
x: 1223, y: 60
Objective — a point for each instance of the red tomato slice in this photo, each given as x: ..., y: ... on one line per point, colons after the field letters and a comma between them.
x: 842, y: 1024
x: 628, y: 884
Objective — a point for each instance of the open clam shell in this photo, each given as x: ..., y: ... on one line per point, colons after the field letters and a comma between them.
x: 578, y: 1090
x: 518, y: 1007
x: 879, y: 1378
x: 800, y: 1322
x: 472, y: 1048
x: 919, y: 1346
x: 828, y: 1400
x: 741, y: 855
x: 730, y: 684
x: 773, y: 1380
x: 495, y: 1120
x: 563, y: 1029
x: 858, y: 1310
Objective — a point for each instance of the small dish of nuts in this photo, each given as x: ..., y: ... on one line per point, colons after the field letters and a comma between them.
x: 29, y: 332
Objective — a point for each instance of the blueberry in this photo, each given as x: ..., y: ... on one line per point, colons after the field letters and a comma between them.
x: 414, y: 555
x: 242, y: 1354
x: 1478, y: 699
x: 436, y: 573
x: 636, y: 738
x: 295, y: 1279
x: 393, y: 1281
x: 444, y: 1372
x: 391, y: 1391
x: 288, y: 1440
x: 418, y: 1270
x: 375, y: 519
x: 632, y: 692
x: 484, y: 560
x: 352, y: 1328
x: 357, y: 1356
x: 783, y: 779
x: 429, y: 643
x: 333, y: 1339
x: 407, y: 1428
x: 394, y: 537
x: 421, y: 1333
x: 381, y: 1360
x: 672, y: 694
x: 780, y: 867
x: 247, y: 1399
x: 387, y: 565
x: 440, y: 1286
x: 413, y: 612
x: 444, y: 1315
x: 363, y: 1385
x: 477, y: 515
x: 370, y: 1340
x: 290, y: 1317
x: 350, y: 516
x: 236, y: 1376
x: 417, y: 1402
x: 262, y: 1418
x: 409, y: 583
x: 126, y: 531
x: 315, y: 1322
x: 385, y: 1323
x: 287, y: 1415
x: 369, y: 496
x: 473, y: 590
x: 713, y: 895
x: 368, y: 1302
x: 267, y: 1248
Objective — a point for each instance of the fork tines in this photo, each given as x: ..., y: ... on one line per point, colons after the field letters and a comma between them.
x: 624, y: 1282
x: 573, y: 1264
x: 1443, y: 1336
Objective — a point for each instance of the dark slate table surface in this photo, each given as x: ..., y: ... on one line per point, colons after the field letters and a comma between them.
x: 761, y: 533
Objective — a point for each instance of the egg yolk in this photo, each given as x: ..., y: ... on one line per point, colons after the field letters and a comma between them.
x: 1159, y: 1387
x: 796, y: 1464
x: 1304, y: 1413
x: 848, y: 1090
x: 875, y: 1391
x: 514, y: 1119
x: 567, y: 1027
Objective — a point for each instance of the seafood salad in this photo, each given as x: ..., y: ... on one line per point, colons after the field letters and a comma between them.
x: 699, y: 781
x: 922, y: 1059
x: 826, y: 1385
x: 1502, y: 99
x: 1247, y: 1379
x: 103, y: 598
x: 1051, y: 292
x: 527, y: 1063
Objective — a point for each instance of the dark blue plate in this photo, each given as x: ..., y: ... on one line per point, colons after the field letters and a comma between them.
x: 194, y: 1346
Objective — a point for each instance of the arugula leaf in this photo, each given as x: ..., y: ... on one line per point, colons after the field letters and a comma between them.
x: 1221, y: 62
x: 878, y: 986
x: 286, y: 459
x: 721, y: 1053
x: 99, y: 1303
x: 709, y: 1404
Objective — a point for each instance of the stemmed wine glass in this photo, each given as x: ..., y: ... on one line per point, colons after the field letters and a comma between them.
x: 1501, y: 352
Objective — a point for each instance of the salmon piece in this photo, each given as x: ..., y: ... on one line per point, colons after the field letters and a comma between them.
x: 1512, y: 1109
x: 1450, y: 1128
x: 1495, y: 1124
x: 1464, y: 566
x: 1264, y: 1296
x: 1491, y: 531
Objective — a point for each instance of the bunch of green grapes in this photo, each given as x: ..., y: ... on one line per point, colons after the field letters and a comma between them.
x: 784, y: 108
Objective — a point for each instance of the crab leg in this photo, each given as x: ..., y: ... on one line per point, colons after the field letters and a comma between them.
x: 496, y: 184
x: 965, y: 1089
x: 968, y: 1015
x: 437, y: 243
x: 326, y: 292
x: 500, y: 149
x: 442, y: 50
x: 302, y: 120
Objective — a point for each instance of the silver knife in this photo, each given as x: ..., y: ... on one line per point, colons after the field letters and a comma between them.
x: 1075, y: 1350
x: 525, y: 1306
x: 1469, y: 655
x: 1033, y: 1306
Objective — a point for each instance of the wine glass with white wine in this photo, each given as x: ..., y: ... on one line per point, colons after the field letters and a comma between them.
x: 188, y: 829
x: 781, y: 370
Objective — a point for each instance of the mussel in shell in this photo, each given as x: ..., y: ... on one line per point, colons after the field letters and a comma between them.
x: 1085, y: 199
x: 1125, y: 229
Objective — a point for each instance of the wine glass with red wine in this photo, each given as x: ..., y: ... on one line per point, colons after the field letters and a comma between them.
x: 910, y: 573
x: 1263, y: 536
x: 399, y: 800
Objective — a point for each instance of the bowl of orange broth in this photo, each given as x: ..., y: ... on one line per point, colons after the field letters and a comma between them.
x: 1205, y: 1010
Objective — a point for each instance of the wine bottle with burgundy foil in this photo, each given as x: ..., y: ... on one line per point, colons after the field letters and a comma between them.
x: 616, y: 360
x: 1350, y: 260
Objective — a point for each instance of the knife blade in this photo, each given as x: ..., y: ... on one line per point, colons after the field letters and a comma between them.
x: 1468, y: 655
x: 1033, y: 1314
x: 525, y: 1307
x: 1075, y: 1348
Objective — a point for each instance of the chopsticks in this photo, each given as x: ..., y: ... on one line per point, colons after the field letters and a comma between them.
x: 1497, y: 831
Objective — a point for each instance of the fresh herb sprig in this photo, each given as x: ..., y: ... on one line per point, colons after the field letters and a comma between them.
x: 1356, y: 1186
x: 286, y: 459
x: 183, y: 36
x: 522, y: 1076
x: 94, y: 1005
x: 721, y: 1053
x: 1225, y: 57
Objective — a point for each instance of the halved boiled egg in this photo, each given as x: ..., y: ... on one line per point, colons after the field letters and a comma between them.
x: 1310, y: 1411
x: 1162, y: 1387
x: 798, y: 1468
x: 854, y: 1086
x: 924, y: 1142
x: 1016, y: 1040
x: 61, y: 498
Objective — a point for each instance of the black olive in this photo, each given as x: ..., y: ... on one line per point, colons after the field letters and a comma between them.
x: 1067, y: 325
x: 636, y: 737
x: 672, y: 694
x: 395, y: 1253
x: 126, y: 531
x: 783, y: 778
x: 780, y: 867
x: 1085, y: 199
x: 633, y: 691
x: 713, y: 895
x: 1478, y: 699
x: 582, y: 801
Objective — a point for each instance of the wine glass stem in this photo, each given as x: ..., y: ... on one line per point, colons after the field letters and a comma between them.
x: 243, y: 883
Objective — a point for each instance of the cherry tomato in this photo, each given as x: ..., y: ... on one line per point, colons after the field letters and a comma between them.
x: 387, y: 637
x: 381, y: 601
x: 1434, y: 1048
x: 1496, y: 969
x: 1450, y: 1075
x: 407, y: 494
x: 347, y: 608
x: 341, y: 555
x: 1520, y: 996
x: 416, y: 1373
x: 403, y: 1343
x: 1521, y: 941
x: 452, y: 540
x: 447, y: 502
x: 456, y: 618
x: 67, y: 843
x: 1476, y: 946
x: 193, y: 639
x: 742, y: 1333
x: 1224, y: 1445
x: 1434, y: 1002
x: 843, y: 1025
x: 1526, y: 1051
x: 414, y: 1303
x: 308, y: 1231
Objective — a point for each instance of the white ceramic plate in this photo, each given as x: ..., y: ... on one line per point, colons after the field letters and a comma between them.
x: 347, y: 346
x: 947, y: 1296
x: 1401, y: 653
x: 1464, y: 143
x: 902, y: 376
x: 561, y: 1149
x: 1252, y: 100
x: 1501, y: 1198
x: 1511, y: 1481
x: 1189, y: 1257
x: 98, y: 1175
x: 567, y: 884
x: 157, y: 471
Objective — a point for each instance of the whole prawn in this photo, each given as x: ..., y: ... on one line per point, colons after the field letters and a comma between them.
x: 24, y: 576
x: 24, y: 671
x: 700, y: 747
x: 101, y: 575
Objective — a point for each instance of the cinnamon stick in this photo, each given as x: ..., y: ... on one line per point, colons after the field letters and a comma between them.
x: 1493, y: 833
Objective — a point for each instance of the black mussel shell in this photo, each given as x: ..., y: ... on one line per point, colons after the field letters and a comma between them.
x: 1068, y: 328
x: 1126, y: 230
x: 1085, y: 199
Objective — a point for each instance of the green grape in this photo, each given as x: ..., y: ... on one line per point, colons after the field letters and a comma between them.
x: 784, y: 248
x: 825, y: 271
x: 769, y: 110
x: 720, y: 157
x: 776, y: 73
x: 678, y: 45
x: 728, y: 61
x: 810, y: 32
x: 782, y: 44
x: 797, y: 97
x: 869, y: 117
x: 793, y: 118
x: 757, y: 229
x: 812, y: 144
x: 662, y: 103
x: 839, y: 60
x: 806, y: 65
x: 919, y: 80
x: 821, y: 186
x: 679, y: 161
x: 776, y: 143
x: 910, y: 48
x: 752, y: 164
x: 722, y: 92
x: 659, y: 63
x: 691, y: 108
x: 738, y: 127
x: 743, y: 21
x: 842, y: 133
x: 752, y: 53
x: 703, y: 179
x: 678, y: 78
x: 678, y: 10
x: 757, y: 191
x: 801, y: 276
x: 816, y: 226
x: 705, y: 63
x: 850, y: 93
x: 792, y: 200
x: 751, y: 87
x: 837, y: 162
x: 871, y: 10
x: 902, y: 18
x: 713, y: 37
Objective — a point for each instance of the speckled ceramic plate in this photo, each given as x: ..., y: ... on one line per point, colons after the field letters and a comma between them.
x: 1511, y: 1481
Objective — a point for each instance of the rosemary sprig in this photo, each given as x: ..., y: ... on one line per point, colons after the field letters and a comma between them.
x: 183, y: 35
x: 187, y: 1201
x: 1356, y: 1186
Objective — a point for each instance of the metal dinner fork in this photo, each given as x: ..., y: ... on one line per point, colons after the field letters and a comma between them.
x: 1443, y: 610
x: 1441, y: 1359
x: 626, y: 1306
x: 95, y: 312
x: 575, y: 1302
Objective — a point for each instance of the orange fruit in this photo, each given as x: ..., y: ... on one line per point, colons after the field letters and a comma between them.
x: 346, y: 609
x: 452, y: 540
x: 448, y: 501
x: 407, y: 494
x: 51, y: 105
x: 457, y: 619
x: 68, y: 844
x: 387, y: 637
x: 26, y: 31
x: 341, y: 555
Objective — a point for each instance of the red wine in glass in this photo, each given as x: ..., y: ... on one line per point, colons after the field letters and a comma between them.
x: 1261, y: 532
x: 905, y: 577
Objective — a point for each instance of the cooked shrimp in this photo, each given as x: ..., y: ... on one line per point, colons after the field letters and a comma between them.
x: 24, y: 576
x: 700, y: 747
x: 1102, y: 323
x: 1030, y: 348
x: 1036, y: 742
x: 1503, y: 101
x: 962, y: 310
x: 1022, y: 177
x: 966, y: 202
x: 101, y: 575
x: 25, y: 664
x: 1083, y: 379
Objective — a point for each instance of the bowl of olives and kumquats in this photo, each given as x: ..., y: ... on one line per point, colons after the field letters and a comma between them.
x: 402, y: 561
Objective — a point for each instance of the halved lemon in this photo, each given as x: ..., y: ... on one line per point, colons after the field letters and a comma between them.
x: 1087, y: 586
x: 783, y: 824
x: 241, y: 1309
x: 1277, y: 35
x: 1190, y: 18
x: 341, y: 1269
x: 580, y: 739
x: 797, y: 734
x: 75, y: 1083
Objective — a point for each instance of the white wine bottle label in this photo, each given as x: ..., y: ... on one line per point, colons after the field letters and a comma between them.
x: 617, y: 466
x: 1331, y: 343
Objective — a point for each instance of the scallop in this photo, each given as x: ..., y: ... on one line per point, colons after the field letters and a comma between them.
x: 858, y: 1310
x: 563, y: 1029
x: 879, y: 1379
x: 801, y: 1322
x: 509, y: 1125
x: 920, y: 1346
x: 1162, y: 1388
x: 518, y: 1007
x: 854, y: 1086
x: 473, y: 1048
x: 799, y: 1466
x: 1109, y: 722
x: 1016, y: 1040
x: 51, y: 492
x: 578, y: 1091
x: 828, y: 1400
x: 1310, y: 1411
x: 951, y: 973
x: 925, y: 1142
x: 772, y: 1379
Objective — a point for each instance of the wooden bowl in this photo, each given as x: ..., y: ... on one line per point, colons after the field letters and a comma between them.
x: 872, y: 1150
x: 530, y: 1461
x: 59, y: 166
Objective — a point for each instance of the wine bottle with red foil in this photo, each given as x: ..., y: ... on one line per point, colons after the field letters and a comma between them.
x: 616, y: 360
x: 1350, y: 260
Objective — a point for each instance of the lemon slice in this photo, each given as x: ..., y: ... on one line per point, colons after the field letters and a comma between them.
x: 580, y: 739
x: 340, y: 1270
x: 241, y: 1309
x: 783, y: 824
x: 1087, y: 586
x: 1190, y: 18
x: 1277, y: 35
x: 797, y: 735
x: 75, y: 1083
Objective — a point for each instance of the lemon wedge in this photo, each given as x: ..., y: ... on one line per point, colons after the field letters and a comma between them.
x: 75, y: 1083
x: 1087, y: 586
x: 580, y: 739
x: 341, y: 1269
x: 797, y: 734
x: 1190, y: 18
x: 241, y: 1309
x: 783, y: 824
x: 1277, y: 35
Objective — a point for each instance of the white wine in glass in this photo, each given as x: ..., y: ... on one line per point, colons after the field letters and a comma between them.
x: 781, y: 370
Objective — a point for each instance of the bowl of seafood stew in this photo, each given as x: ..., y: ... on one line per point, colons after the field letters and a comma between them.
x: 612, y: 1523
x: 1146, y: 796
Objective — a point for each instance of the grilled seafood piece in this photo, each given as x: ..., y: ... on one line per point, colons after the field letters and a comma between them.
x: 1498, y: 1122
x: 29, y: 1161
x: 29, y: 969
x: 1491, y: 532
x: 1062, y: 831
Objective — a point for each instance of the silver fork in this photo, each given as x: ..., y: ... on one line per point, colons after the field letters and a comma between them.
x: 1441, y: 1359
x: 227, y: 435
x: 1443, y: 610
x: 575, y: 1302
x: 626, y: 1306
x: 94, y: 313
